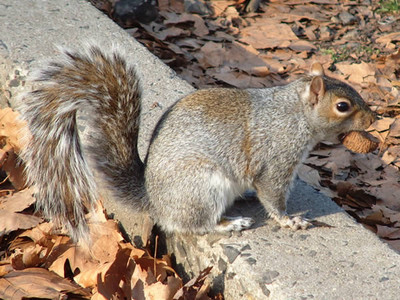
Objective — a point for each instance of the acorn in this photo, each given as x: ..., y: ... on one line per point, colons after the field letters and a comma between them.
x: 360, y: 141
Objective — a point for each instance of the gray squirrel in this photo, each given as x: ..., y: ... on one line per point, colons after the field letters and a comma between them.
x: 207, y: 149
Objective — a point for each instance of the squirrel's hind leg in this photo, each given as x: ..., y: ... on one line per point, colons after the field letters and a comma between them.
x: 195, y: 199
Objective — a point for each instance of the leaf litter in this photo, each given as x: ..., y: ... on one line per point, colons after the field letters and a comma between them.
x: 275, y: 44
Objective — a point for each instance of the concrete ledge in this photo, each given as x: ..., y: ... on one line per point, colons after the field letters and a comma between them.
x: 340, y: 262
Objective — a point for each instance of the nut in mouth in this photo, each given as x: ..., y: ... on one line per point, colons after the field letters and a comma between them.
x: 359, y: 141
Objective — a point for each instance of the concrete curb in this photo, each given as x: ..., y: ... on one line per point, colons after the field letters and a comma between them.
x: 340, y: 262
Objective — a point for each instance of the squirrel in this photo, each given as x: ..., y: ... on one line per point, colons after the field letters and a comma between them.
x: 207, y: 149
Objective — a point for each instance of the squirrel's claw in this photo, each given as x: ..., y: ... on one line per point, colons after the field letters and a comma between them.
x: 294, y: 223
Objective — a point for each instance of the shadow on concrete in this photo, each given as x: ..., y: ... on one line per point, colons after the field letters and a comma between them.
x: 304, y: 200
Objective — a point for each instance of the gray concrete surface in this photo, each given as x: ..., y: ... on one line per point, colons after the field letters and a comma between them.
x: 344, y: 261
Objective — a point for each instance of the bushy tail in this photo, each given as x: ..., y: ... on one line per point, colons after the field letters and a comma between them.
x: 66, y: 169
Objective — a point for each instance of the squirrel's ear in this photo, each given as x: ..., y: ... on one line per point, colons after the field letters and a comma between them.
x: 317, y: 89
x: 317, y: 69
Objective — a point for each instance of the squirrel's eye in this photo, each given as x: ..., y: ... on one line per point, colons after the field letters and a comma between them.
x: 342, y: 106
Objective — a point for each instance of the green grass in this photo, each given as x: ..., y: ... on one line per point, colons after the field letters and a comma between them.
x: 389, y: 6
x: 337, y: 55
x: 343, y: 53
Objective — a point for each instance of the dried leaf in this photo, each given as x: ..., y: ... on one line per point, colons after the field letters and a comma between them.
x: 12, y: 129
x: 195, y: 288
x: 11, y: 221
x: 159, y: 290
x: 383, y: 124
x: 357, y: 73
x: 388, y: 232
x: 238, y: 79
x: 200, y: 28
x: 39, y: 283
x: 395, y: 128
x: 309, y: 175
x: 268, y: 35
x: 387, y: 38
x: 301, y: 45
x: 211, y: 55
x: 113, y: 282
x: 17, y: 202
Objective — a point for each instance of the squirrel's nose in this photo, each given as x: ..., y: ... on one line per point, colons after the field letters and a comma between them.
x: 371, y: 119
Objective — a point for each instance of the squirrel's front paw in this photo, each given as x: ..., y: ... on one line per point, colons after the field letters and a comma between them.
x: 294, y: 223
x: 233, y: 224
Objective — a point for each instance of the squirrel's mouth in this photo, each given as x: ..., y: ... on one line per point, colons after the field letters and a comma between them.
x: 342, y: 136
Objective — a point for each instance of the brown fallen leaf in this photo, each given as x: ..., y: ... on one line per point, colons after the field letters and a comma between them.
x: 13, y: 167
x: 388, y: 190
x: 40, y: 234
x: 354, y: 196
x: 338, y: 157
x: 18, y: 201
x: 211, y: 55
x: 12, y: 137
x: 144, y: 283
x: 39, y: 283
x: 5, y: 268
x: 32, y: 255
x: 391, y: 154
x: 387, y: 38
x: 104, y: 248
x: 302, y: 45
x: 199, y: 29
x: 309, y: 175
x: 387, y: 232
x: 382, y: 124
x: 394, y: 244
x: 196, y: 288
x: 239, y: 79
x: 11, y: 128
x: 395, y: 128
x: 374, y: 219
x: 68, y: 255
x: 172, y: 33
x: 114, y: 282
x: 11, y: 221
x: 161, y: 290
x: 31, y: 248
x: 176, y: 6
x: 220, y: 6
x: 358, y: 73
x: 268, y: 35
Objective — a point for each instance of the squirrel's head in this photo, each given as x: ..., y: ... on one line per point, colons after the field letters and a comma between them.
x: 336, y: 108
